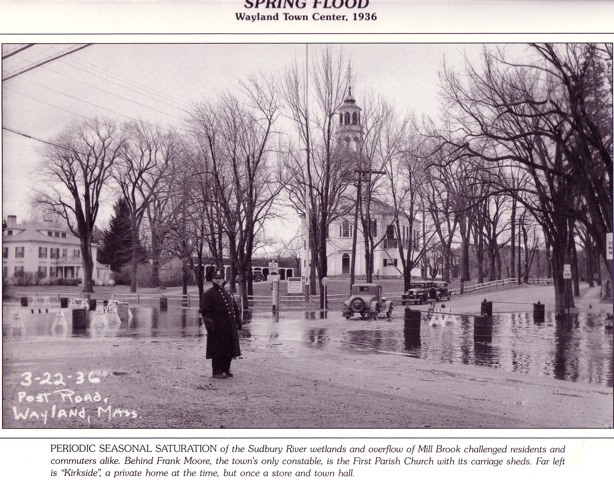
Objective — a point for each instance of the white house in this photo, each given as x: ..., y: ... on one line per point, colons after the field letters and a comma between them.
x: 45, y: 253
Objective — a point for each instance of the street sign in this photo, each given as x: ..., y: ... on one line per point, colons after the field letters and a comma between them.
x: 273, y: 267
x: 273, y: 277
x: 567, y: 271
x: 295, y: 285
x: 610, y: 248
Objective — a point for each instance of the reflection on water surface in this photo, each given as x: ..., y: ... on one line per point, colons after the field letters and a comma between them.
x: 577, y: 349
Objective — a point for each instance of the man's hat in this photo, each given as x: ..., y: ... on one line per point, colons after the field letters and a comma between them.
x: 217, y: 274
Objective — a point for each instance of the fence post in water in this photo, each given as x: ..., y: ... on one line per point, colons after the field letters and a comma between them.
x: 539, y: 312
x: 163, y: 304
x: 413, y: 319
x: 24, y: 301
x: 79, y: 319
x: 482, y: 328
x: 486, y: 308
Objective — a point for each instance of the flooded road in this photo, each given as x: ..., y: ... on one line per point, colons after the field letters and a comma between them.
x: 579, y: 349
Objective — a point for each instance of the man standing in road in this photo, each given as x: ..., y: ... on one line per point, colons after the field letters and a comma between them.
x: 222, y: 320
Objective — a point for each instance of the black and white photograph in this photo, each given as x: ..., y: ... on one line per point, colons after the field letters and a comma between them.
x: 375, y: 235
x: 324, y: 238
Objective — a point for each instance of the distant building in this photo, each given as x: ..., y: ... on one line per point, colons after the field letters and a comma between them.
x: 386, y: 260
x: 45, y: 253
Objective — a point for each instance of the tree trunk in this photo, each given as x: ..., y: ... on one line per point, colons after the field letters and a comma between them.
x: 134, y: 258
x: 88, y: 267
x: 575, y: 270
x: 513, y: 237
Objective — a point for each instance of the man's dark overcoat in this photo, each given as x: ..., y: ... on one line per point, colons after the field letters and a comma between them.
x: 222, y: 319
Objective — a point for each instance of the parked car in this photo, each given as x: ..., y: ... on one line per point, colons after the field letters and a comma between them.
x: 366, y: 300
x: 417, y: 294
x: 424, y: 291
x: 442, y: 290
x: 257, y: 277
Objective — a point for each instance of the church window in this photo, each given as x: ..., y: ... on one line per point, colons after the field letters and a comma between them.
x: 347, y: 118
x: 345, y: 229
x: 374, y: 228
x: 341, y: 119
x: 354, y: 118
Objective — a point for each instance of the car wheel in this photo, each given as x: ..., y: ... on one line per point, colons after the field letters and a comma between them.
x: 389, y: 313
x: 357, y: 305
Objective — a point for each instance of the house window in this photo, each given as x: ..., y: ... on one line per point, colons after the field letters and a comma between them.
x: 63, y: 234
x: 5, y: 252
x: 50, y: 234
x: 9, y: 232
x: 54, y: 253
x: 416, y: 239
x: 5, y: 272
x: 76, y: 253
x: 42, y: 252
x: 345, y: 229
x: 390, y: 262
x: 19, y: 252
x: 64, y: 252
x: 42, y: 272
x: 57, y: 234
x: 53, y: 272
x: 19, y: 270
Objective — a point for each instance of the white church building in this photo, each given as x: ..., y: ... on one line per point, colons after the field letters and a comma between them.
x: 386, y: 258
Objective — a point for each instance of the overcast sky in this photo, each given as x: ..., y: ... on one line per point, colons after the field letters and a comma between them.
x: 158, y: 82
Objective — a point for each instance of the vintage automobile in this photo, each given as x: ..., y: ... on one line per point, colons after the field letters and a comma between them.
x: 366, y: 300
x: 418, y: 293
x: 442, y: 290
x: 425, y: 290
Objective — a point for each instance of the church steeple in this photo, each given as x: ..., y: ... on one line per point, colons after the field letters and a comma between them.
x: 349, y: 132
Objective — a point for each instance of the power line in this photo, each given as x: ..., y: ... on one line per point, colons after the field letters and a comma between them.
x: 46, y: 103
x: 47, y: 61
x: 114, y: 94
x: 156, y: 98
x: 97, y: 106
x: 32, y: 137
x: 17, y: 50
x: 85, y: 66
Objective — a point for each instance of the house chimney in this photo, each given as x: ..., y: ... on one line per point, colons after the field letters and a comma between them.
x: 11, y: 220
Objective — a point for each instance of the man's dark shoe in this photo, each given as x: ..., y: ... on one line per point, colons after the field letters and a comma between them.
x: 229, y: 374
x: 219, y: 375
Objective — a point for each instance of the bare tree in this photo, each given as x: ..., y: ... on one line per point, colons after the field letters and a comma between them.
x: 75, y: 170
x: 528, y: 116
x: 139, y: 172
x: 239, y: 140
x: 320, y: 172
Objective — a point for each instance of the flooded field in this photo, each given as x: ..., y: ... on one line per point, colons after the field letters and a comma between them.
x: 578, y: 349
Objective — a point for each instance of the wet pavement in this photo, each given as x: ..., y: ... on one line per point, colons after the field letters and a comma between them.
x: 578, y: 349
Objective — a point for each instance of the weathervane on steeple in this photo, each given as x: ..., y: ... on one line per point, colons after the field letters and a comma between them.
x: 350, y: 78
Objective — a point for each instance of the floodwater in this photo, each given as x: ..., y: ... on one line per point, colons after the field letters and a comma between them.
x: 578, y: 349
